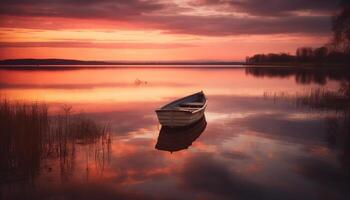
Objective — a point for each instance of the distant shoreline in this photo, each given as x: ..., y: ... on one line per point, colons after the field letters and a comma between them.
x: 32, y: 64
x: 38, y: 62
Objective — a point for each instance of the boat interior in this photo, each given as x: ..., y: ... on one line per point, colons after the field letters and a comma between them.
x: 194, y: 103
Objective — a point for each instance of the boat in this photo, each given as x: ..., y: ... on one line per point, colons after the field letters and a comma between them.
x: 179, y: 138
x: 183, y: 111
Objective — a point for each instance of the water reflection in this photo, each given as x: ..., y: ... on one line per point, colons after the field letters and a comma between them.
x: 176, y: 139
x: 253, y: 146
x: 302, y: 75
x: 338, y: 126
x: 336, y: 132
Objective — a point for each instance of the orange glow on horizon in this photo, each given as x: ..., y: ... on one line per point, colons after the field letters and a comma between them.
x: 156, y: 30
x: 142, y: 45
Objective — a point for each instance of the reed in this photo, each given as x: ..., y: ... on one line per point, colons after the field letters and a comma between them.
x: 317, y: 98
x: 29, y: 135
x: 329, y: 100
x: 22, y: 127
x: 338, y: 127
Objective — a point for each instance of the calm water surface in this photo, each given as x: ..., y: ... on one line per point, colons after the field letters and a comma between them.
x: 266, y: 135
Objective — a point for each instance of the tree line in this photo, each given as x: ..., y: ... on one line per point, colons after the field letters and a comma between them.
x: 303, y: 55
x: 336, y: 51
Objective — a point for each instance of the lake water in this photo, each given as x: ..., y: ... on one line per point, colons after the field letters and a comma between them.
x: 268, y: 133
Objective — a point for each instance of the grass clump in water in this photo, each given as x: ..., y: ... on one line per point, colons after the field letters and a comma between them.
x: 29, y: 135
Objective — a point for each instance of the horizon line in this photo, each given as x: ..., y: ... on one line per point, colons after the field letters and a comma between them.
x: 122, y: 61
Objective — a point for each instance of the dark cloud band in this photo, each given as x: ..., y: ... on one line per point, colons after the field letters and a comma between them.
x: 263, y: 17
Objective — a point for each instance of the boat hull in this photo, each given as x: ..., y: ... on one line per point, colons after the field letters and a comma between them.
x: 183, y: 111
x: 175, y: 118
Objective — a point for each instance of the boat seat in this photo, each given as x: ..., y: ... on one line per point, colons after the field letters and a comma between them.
x: 192, y: 104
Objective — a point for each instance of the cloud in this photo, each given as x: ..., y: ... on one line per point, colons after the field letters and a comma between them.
x: 272, y: 7
x: 78, y: 44
x: 170, y: 18
x: 80, y: 9
x: 231, y: 25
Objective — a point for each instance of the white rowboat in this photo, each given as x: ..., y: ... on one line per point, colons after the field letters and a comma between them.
x: 184, y: 111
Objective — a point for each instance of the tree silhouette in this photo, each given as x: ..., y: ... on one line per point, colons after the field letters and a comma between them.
x: 341, y: 28
x: 336, y: 52
x: 304, y: 54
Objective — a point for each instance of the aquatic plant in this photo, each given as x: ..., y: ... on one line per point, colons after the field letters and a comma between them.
x: 29, y: 135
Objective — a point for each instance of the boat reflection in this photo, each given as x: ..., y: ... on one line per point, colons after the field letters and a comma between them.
x: 179, y: 138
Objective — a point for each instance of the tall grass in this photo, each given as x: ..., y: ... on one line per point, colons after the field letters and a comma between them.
x: 323, y: 99
x: 28, y: 135
x: 338, y: 127
x: 22, y: 127
x: 317, y: 98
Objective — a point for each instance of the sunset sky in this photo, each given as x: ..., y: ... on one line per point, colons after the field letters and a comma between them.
x: 161, y: 29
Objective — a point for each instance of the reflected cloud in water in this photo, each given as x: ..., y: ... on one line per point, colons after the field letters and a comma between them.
x: 327, y: 174
x: 208, y: 176
x: 85, y: 86
x: 253, y: 146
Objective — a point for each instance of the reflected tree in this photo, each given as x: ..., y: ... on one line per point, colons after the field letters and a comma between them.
x: 302, y: 75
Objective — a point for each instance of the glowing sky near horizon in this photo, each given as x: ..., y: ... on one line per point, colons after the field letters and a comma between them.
x: 160, y: 30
